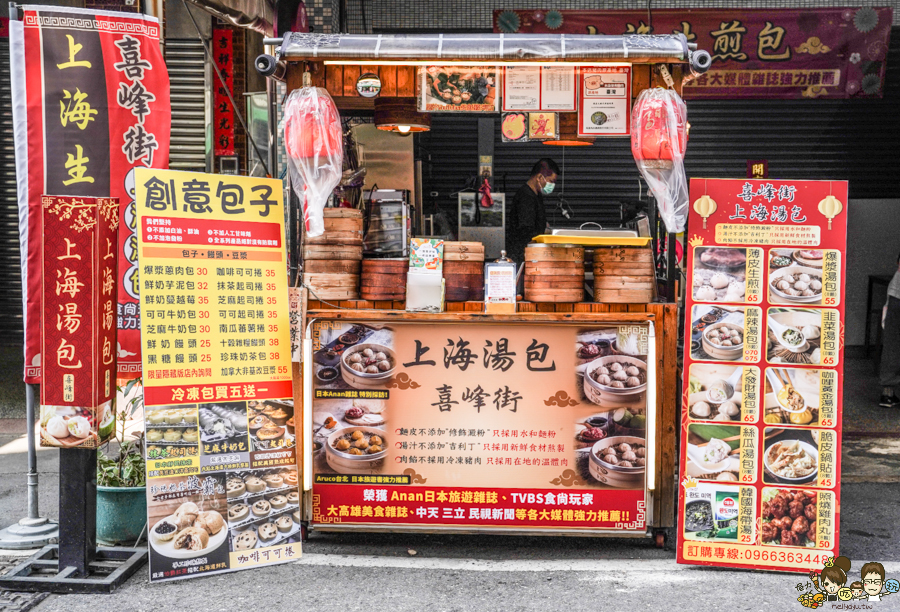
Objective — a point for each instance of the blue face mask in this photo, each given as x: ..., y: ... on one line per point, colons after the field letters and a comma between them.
x: 548, y: 188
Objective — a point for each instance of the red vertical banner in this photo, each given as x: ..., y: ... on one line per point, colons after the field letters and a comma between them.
x: 223, y: 115
x: 761, y: 407
x: 90, y: 103
x: 79, y: 254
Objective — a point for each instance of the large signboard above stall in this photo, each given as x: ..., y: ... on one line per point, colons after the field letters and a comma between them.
x: 761, y: 411
x: 479, y: 426
x: 829, y: 53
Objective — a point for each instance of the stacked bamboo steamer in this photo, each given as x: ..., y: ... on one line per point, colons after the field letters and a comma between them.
x: 624, y: 275
x: 332, y: 261
x: 384, y: 279
x: 464, y: 271
x: 554, y: 273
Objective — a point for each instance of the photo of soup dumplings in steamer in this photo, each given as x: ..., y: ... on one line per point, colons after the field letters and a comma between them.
x: 368, y: 361
x: 619, y: 375
x: 726, y: 335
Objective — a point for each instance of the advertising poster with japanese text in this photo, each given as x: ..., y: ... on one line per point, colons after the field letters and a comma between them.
x: 222, y: 484
x: 90, y: 94
x: 479, y: 426
x: 761, y: 406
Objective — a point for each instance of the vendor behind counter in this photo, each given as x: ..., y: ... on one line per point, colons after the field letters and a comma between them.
x: 525, y: 217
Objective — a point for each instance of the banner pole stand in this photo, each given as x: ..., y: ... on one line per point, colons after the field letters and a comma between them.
x: 34, y: 530
x: 76, y: 565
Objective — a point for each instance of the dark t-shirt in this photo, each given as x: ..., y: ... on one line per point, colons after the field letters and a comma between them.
x: 525, y: 219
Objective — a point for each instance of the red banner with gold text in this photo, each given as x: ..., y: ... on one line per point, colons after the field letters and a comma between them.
x: 829, y: 53
x: 91, y: 102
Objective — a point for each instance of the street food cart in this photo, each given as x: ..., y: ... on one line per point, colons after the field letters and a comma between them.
x: 553, y: 417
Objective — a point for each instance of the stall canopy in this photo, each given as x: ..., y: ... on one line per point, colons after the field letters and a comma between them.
x: 408, y: 48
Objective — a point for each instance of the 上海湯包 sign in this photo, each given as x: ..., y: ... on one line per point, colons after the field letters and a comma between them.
x: 481, y: 426
x: 222, y: 483
x: 756, y: 53
x: 93, y: 92
x: 760, y: 426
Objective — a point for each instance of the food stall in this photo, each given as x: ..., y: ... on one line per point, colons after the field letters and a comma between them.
x: 548, y: 415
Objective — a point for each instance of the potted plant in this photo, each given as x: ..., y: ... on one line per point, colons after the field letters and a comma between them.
x: 121, y: 477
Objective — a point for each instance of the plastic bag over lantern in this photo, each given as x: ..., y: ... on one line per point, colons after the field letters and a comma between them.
x: 315, y: 150
x: 658, y: 141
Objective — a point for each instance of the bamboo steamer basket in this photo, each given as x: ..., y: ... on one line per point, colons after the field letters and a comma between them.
x: 343, y: 226
x: 332, y: 266
x: 332, y: 260
x: 554, y: 273
x: 330, y: 214
x: 383, y: 279
x: 463, y: 251
x: 624, y: 275
x: 333, y: 286
x: 332, y: 252
x: 463, y: 271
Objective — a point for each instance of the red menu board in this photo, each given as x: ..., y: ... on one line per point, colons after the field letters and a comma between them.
x: 761, y: 409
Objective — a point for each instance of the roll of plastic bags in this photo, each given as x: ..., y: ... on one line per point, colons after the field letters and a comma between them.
x: 658, y: 142
x: 314, y: 141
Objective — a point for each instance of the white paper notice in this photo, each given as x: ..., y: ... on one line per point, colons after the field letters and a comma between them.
x: 558, y: 88
x: 501, y: 283
x: 605, y: 101
x: 522, y: 89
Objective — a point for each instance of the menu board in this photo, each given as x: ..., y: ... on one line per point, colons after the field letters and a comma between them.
x: 539, y: 88
x: 481, y: 426
x: 761, y: 414
x: 604, y: 100
x: 222, y: 484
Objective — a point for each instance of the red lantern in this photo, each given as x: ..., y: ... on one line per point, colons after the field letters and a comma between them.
x: 313, y: 137
x: 658, y: 143
x: 313, y: 129
x: 651, y: 138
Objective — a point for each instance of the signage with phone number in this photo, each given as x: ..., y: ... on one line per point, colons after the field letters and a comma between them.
x: 761, y: 430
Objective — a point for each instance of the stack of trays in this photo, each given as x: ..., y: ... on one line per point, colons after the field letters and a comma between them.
x: 624, y: 275
x: 384, y: 279
x: 554, y: 273
x: 332, y: 261
x: 464, y: 271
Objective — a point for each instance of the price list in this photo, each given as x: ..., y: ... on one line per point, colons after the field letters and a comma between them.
x: 761, y: 437
x: 213, y: 286
x: 216, y: 358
